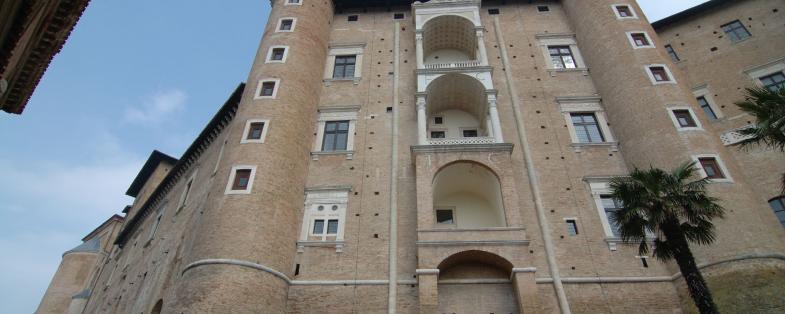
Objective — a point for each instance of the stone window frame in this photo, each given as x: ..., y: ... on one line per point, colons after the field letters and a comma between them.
x: 698, y: 125
x: 258, y: 94
x: 755, y: 73
x: 269, y: 58
x: 728, y: 178
x: 574, y: 221
x: 280, y: 21
x: 220, y: 156
x: 561, y: 39
x: 344, y: 49
x: 671, y: 79
x: 705, y: 92
x: 600, y: 186
x: 289, y: 2
x: 569, y: 105
x: 183, y: 201
x: 547, y: 10
x: 244, y: 139
x: 645, y: 34
x: 615, y: 9
x: 327, y: 114
x: 452, y: 209
x: 156, y: 224
x: 232, y: 174
x: 326, y: 196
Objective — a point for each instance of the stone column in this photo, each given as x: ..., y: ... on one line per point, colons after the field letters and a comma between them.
x: 428, y: 290
x: 483, y: 57
x: 495, y: 121
x: 422, y: 121
x: 420, y: 56
x: 523, y: 281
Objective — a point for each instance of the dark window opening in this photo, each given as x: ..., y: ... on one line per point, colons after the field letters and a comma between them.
x: 353, y: 18
x: 344, y: 66
x: 267, y: 89
x: 286, y: 25
x: 445, y: 216
x: 438, y: 134
x: 438, y: 120
x: 774, y: 82
x: 572, y: 227
x: 398, y: 16
x: 332, y: 226
x: 624, y: 11
x: 672, y: 53
x: 277, y: 54
x: 493, y: 11
x: 660, y: 74
x: 778, y: 205
x: 241, y: 179
x: 470, y: 133
x: 255, y: 131
x: 684, y: 117
x: 296, y: 269
x: 711, y: 167
x: 336, y: 136
x: 640, y: 39
x: 543, y: 8
x: 707, y: 108
x: 318, y: 226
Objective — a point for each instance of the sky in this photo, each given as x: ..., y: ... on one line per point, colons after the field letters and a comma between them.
x: 133, y: 77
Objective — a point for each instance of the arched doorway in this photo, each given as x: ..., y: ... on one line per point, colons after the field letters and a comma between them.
x: 476, y: 282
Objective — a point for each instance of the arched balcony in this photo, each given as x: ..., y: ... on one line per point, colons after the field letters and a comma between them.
x: 467, y: 195
x: 450, y: 41
x: 457, y: 109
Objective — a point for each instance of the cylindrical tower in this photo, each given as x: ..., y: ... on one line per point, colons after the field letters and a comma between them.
x: 640, y: 87
x: 240, y: 252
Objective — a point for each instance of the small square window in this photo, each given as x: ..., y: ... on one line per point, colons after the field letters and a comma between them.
x: 543, y: 8
x: 736, y: 31
x: 438, y: 120
x: 286, y: 25
x: 640, y: 40
x: 277, y: 54
x: 255, y: 131
x: 445, y: 217
x: 470, y: 133
x: 711, y: 167
x: 398, y: 16
x: 493, y: 11
x: 659, y: 74
x: 268, y: 88
x: 572, y: 227
x: 353, y: 18
x: 242, y: 178
x: 684, y: 118
x: 293, y: 1
x: 624, y: 11
x: 438, y: 134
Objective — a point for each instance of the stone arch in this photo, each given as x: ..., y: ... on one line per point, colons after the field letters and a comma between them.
x: 158, y: 307
x: 472, y: 191
x: 476, y: 281
x: 452, y: 36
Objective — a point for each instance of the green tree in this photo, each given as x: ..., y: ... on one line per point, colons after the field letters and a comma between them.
x: 768, y: 108
x: 677, y: 210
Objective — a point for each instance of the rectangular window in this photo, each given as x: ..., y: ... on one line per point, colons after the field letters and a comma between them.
x: 353, y: 18
x: 707, y: 108
x: 241, y: 179
x: 572, y: 227
x: 543, y: 8
x: 398, y: 16
x: 344, y: 67
x: 293, y: 1
x: 659, y: 74
x: 255, y: 131
x: 736, y: 31
x: 318, y: 226
x: 624, y: 11
x: 438, y: 120
x: 672, y: 53
x: 156, y: 223
x: 774, y: 82
x: 611, y: 206
x: 469, y: 133
x: 640, y: 39
x: 778, y: 205
x: 711, y: 167
x: 684, y: 117
x: 268, y: 89
x: 438, y: 134
x: 493, y: 11
x: 186, y: 192
x: 561, y: 57
x: 277, y: 54
x: 444, y: 217
x: 587, y: 129
x: 336, y: 134
x: 332, y: 226
x: 286, y: 25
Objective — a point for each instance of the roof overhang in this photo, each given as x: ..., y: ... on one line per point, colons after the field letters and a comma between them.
x: 147, y: 170
x: 691, y: 12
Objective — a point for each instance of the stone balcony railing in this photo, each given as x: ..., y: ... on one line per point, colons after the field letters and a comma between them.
x: 732, y: 137
x: 472, y: 237
x: 452, y: 65
x: 462, y: 141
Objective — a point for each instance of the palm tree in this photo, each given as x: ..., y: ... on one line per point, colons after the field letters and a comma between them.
x: 768, y: 108
x: 677, y: 210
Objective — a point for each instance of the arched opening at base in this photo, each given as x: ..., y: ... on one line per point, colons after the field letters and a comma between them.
x: 476, y: 282
x: 158, y: 307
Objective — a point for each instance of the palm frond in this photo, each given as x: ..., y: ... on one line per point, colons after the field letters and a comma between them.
x: 768, y: 107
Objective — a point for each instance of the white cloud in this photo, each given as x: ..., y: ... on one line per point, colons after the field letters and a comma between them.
x: 157, y: 107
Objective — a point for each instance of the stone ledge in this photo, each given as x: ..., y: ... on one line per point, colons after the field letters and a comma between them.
x: 499, y: 147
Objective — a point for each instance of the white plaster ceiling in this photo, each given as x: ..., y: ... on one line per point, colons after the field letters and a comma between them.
x: 450, y: 32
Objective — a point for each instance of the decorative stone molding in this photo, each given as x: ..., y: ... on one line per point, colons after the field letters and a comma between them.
x: 429, y: 149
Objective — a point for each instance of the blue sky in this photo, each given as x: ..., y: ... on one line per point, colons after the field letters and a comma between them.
x: 133, y: 77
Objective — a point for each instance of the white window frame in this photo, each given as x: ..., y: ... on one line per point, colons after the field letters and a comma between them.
x: 565, y: 39
x: 328, y: 114
x: 727, y: 179
x: 615, y: 9
x: 587, y: 105
x: 280, y: 21
x: 344, y: 49
x: 327, y: 197
x: 269, y: 58
x: 189, y: 185
x: 703, y: 91
x: 698, y: 126
x: 600, y: 187
x: 645, y: 34
x: 288, y: 2
x: 244, y: 139
x: 757, y: 72
x: 647, y: 69
x: 258, y: 94
x: 232, y: 174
